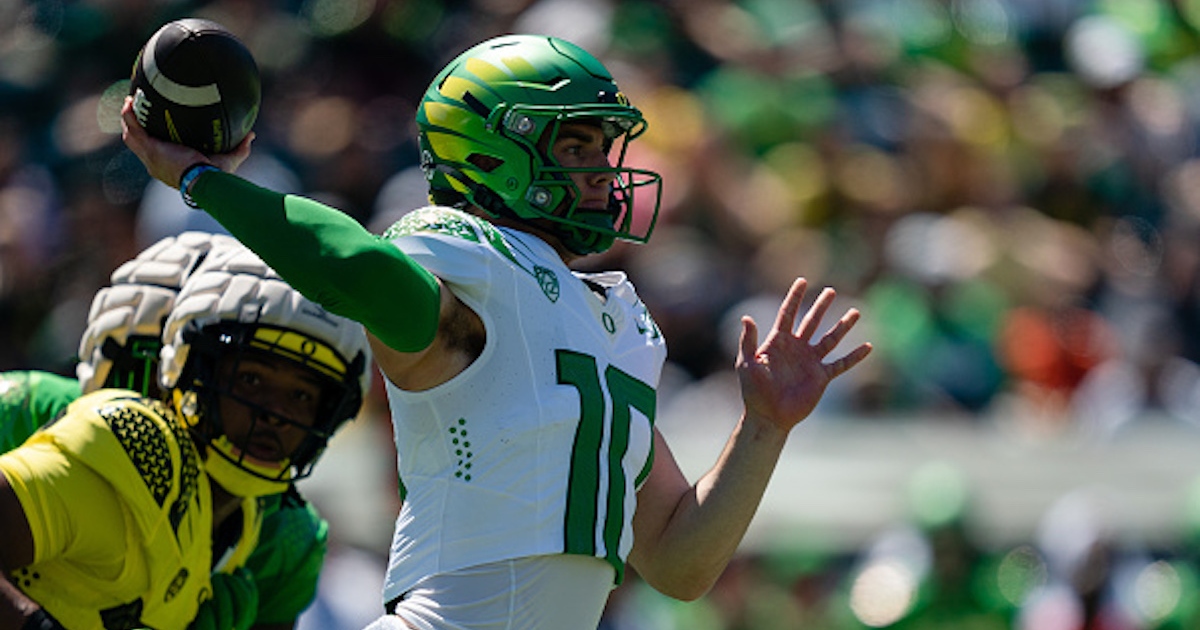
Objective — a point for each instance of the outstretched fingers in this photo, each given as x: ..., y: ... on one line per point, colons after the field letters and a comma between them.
x: 834, y: 336
x: 853, y: 358
x: 837, y: 332
x: 785, y: 320
x: 812, y: 319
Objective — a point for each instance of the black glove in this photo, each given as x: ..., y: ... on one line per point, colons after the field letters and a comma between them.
x: 42, y: 620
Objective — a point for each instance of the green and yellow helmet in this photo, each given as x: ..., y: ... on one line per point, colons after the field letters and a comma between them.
x: 483, y: 117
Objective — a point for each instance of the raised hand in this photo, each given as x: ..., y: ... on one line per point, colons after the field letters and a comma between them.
x: 166, y: 161
x: 783, y: 379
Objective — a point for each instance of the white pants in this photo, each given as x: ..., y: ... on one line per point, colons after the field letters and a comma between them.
x: 538, y: 593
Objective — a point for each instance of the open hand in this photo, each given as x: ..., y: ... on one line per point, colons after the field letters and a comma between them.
x: 783, y: 379
x: 166, y: 161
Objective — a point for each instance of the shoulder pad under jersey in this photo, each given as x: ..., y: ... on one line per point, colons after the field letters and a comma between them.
x: 138, y: 446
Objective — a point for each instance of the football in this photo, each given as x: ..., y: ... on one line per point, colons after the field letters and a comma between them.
x: 195, y: 83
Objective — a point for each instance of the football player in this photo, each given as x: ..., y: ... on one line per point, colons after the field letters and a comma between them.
x: 523, y: 393
x: 120, y: 348
x: 109, y: 510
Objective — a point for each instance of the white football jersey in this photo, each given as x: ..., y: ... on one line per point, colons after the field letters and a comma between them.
x: 540, y: 445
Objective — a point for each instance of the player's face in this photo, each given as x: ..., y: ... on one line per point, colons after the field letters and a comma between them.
x: 281, y: 400
x: 583, y: 145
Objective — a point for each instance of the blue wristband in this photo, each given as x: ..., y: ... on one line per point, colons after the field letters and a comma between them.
x: 189, y: 178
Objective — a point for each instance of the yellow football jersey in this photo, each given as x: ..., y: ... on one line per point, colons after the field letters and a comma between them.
x: 121, y: 515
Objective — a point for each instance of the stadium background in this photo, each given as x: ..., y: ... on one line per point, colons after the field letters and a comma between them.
x: 1008, y: 189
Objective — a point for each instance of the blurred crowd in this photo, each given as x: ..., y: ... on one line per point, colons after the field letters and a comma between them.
x: 930, y: 572
x: 1008, y: 189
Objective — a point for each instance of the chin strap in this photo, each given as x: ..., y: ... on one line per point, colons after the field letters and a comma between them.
x: 244, y: 479
x: 481, y: 195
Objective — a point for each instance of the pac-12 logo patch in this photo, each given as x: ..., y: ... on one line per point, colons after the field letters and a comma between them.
x: 548, y: 281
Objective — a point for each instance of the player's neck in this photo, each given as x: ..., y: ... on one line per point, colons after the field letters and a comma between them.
x: 224, y: 504
x: 530, y: 227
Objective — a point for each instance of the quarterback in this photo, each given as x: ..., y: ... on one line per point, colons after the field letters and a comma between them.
x: 523, y: 393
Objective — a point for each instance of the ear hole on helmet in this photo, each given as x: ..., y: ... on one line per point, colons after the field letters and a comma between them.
x: 485, y: 163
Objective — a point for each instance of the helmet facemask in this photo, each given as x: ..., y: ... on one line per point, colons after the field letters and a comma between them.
x: 217, y: 354
x: 553, y: 198
x: 134, y: 364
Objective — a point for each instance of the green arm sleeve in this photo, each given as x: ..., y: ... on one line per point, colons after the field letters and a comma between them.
x: 330, y: 258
